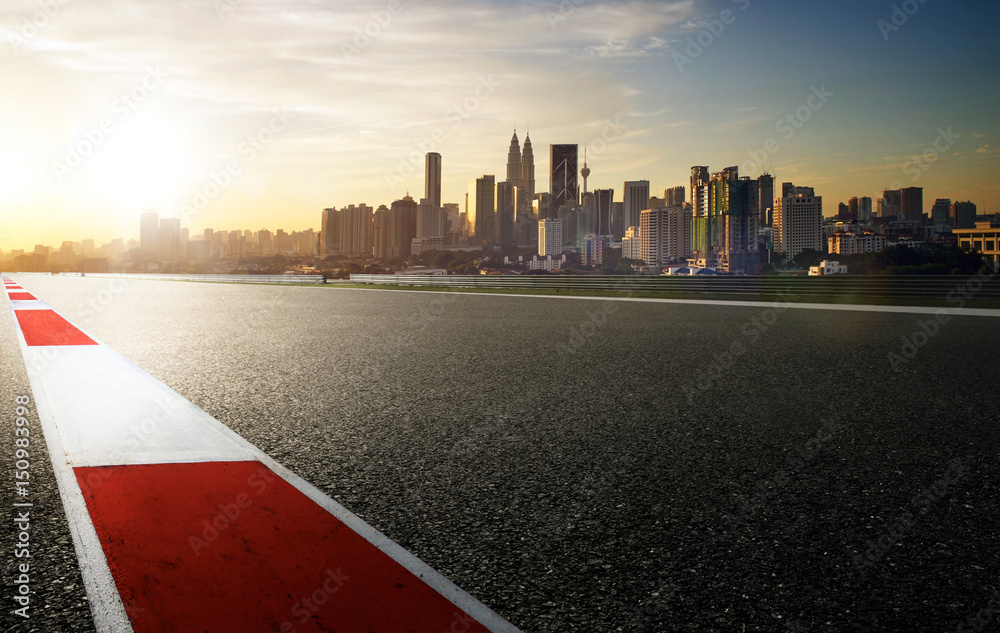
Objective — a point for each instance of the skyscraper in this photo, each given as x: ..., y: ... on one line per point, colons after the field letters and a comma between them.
x: 481, y: 208
x: 514, y: 171
x: 149, y: 229
x: 664, y: 235
x: 765, y: 186
x: 504, y: 216
x: 550, y: 237
x: 432, y: 178
x: 527, y: 174
x: 674, y: 196
x: 330, y: 228
x: 699, y: 196
x: 911, y: 203
x: 600, y: 220
x: 636, y: 198
x: 402, y: 226
x: 356, y: 231
x: 563, y: 189
x: 798, y: 221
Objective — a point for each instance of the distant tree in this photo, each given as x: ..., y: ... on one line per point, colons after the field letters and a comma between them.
x: 765, y: 269
x: 808, y: 257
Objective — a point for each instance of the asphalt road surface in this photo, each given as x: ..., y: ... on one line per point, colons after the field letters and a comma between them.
x: 585, y: 465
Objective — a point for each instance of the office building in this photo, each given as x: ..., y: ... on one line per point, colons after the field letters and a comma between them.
x: 940, y: 211
x: 983, y: 237
x: 911, y: 204
x: 664, y: 235
x: 355, y: 231
x: 592, y: 250
x: 765, y: 197
x: 149, y: 231
x: 963, y: 215
x: 550, y: 237
x: 563, y: 189
x: 798, y: 221
x: 481, y: 209
x: 674, y: 196
x: 503, y: 231
x: 602, y: 201
x: 635, y: 198
x: 432, y: 178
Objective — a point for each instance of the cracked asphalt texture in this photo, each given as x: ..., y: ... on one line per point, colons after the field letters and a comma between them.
x: 665, y: 468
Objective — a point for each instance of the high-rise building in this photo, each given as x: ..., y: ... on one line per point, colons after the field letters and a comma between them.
x: 504, y: 217
x: 798, y: 221
x: 514, y: 170
x: 592, y: 250
x: 170, y: 237
x: 891, y: 204
x: 432, y: 178
x: 481, y: 209
x: 864, y: 209
x: 765, y: 187
x: 940, y: 212
x: 380, y: 231
x: 550, y: 237
x: 618, y: 228
x: 963, y: 215
x: 911, y: 204
x: 664, y: 235
x: 330, y: 228
x: 149, y: 231
x: 727, y: 231
x: 699, y: 195
x: 402, y: 226
x: 527, y: 194
x: 431, y: 219
x: 674, y: 196
x: 600, y: 211
x: 563, y: 190
x: 636, y: 198
x: 632, y: 243
x: 355, y: 231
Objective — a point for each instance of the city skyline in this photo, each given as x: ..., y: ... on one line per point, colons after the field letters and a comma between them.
x: 242, y: 125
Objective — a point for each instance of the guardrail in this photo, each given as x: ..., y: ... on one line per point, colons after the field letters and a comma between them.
x: 983, y: 286
x: 233, y: 279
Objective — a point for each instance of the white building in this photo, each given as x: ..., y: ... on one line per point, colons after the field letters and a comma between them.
x: 592, y: 250
x: 827, y: 268
x: 550, y: 237
x: 798, y: 222
x: 535, y: 263
x: 665, y: 235
x: 631, y: 243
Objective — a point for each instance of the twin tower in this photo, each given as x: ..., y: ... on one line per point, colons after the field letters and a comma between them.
x: 521, y: 168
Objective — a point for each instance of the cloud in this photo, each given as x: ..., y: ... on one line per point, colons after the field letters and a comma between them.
x: 985, y: 149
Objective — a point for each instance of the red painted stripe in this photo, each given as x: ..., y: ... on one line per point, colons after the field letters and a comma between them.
x: 14, y: 288
x: 230, y: 546
x: 21, y: 296
x: 45, y: 327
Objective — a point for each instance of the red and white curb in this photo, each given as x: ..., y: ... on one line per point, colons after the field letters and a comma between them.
x: 182, y: 525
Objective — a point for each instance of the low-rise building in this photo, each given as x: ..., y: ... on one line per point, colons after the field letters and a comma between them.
x: 827, y: 267
x: 984, y: 238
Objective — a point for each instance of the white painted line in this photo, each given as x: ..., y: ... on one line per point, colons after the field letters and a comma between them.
x: 842, y: 307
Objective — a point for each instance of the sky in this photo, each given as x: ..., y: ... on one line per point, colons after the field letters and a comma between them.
x: 252, y: 114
